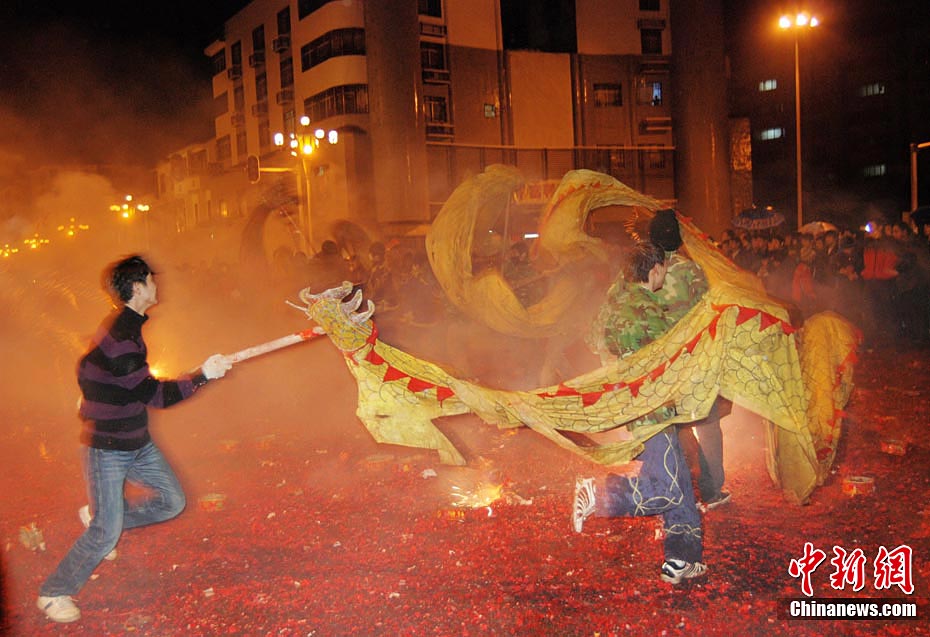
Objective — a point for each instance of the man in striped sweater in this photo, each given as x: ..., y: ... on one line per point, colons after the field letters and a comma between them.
x: 117, y: 387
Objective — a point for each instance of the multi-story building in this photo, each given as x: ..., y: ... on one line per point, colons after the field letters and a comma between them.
x: 864, y: 77
x: 421, y: 94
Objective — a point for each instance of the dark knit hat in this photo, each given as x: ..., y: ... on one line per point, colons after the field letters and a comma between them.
x: 663, y: 230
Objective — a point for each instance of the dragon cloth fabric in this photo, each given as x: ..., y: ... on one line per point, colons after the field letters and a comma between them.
x: 736, y: 342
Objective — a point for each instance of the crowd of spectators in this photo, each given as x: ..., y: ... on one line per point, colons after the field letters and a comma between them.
x: 877, y: 277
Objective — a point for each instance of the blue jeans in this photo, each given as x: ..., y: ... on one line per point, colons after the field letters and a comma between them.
x: 106, y: 472
x: 663, y: 487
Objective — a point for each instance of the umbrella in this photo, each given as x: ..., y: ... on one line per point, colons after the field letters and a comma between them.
x: 758, y: 218
x: 817, y: 228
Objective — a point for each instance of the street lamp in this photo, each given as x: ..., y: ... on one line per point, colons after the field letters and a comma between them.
x: 301, y: 145
x: 797, y: 23
x: 127, y: 210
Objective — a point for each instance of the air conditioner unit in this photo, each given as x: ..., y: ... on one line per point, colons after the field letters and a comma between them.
x: 238, y: 119
x: 257, y: 59
x: 260, y: 109
x: 234, y: 72
x: 281, y: 43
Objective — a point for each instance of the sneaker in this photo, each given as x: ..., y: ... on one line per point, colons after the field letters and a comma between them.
x: 59, y: 609
x: 583, y: 505
x: 721, y: 498
x: 84, y: 514
x: 673, y: 571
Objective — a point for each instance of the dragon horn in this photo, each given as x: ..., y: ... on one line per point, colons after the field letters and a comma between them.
x: 352, y: 304
x: 360, y: 318
x: 308, y: 297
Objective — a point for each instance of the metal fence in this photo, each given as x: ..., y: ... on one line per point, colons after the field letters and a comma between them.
x: 647, y: 169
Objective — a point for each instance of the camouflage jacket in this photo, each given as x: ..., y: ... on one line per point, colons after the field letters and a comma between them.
x: 631, y: 317
x: 685, y: 283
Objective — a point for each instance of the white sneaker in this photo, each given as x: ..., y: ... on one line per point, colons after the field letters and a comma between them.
x: 583, y: 505
x: 84, y: 514
x: 59, y: 609
x: 673, y: 571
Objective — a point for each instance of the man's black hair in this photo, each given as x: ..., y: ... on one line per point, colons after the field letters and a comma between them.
x: 663, y: 230
x: 125, y: 273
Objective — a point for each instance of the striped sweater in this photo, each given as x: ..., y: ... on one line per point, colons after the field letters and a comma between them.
x: 117, y: 386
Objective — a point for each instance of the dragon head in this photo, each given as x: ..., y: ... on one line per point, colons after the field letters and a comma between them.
x: 348, y: 328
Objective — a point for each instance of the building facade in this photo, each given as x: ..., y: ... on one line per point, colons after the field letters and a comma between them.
x: 406, y: 98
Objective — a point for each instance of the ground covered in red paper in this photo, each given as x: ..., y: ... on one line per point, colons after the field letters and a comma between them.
x: 298, y: 524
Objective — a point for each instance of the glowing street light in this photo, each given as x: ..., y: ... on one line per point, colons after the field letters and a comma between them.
x: 72, y: 228
x: 798, y: 22
x: 128, y: 210
x: 302, y: 144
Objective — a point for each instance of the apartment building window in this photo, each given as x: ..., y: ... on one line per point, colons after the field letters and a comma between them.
x: 433, y: 56
x: 768, y: 134
x: 868, y: 90
x: 287, y: 72
x: 235, y: 54
x: 432, y: 8
x: 768, y: 85
x: 608, y: 95
x: 332, y: 44
x: 197, y: 161
x: 338, y: 100
x: 264, y: 133
x: 875, y: 170
x: 242, y: 147
x: 289, y: 122
x: 616, y: 159
x: 261, y: 88
x: 223, y: 148
x: 649, y: 92
x: 220, y: 104
x: 284, y: 21
x: 258, y: 38
x: 437, y: 111
x: 649, y: 5
x: 219, y: 62
x: 239, y: 98
x: 306, y: 7
x: 651, y: 41
x: 654, y: 159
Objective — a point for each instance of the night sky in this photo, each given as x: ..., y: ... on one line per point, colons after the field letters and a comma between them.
x: 101, y: 82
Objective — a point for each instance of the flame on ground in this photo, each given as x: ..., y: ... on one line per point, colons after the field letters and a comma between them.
x: 482, y: 495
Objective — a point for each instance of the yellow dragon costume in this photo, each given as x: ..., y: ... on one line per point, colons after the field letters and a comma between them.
x: 735, y: 342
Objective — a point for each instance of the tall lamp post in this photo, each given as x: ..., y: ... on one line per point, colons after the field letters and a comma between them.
x: 302, y: 144
x: 797, y: 23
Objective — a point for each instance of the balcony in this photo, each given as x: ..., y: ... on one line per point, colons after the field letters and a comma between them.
x: 436, y: 76
x: 655, y: 124
x: 284, y: 97
x: 234, y: 72
x: 260, y: 109
x: 281, y: 44
x: 257, y: 59
x: 439, y: 130
x: 433, y: 30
